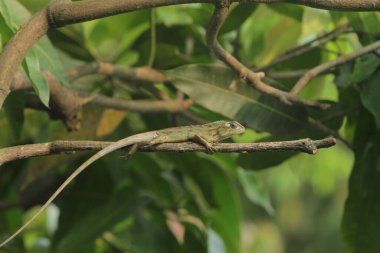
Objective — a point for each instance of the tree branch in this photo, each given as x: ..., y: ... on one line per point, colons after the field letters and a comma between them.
x: 253, y: 78
x: 17, y: 48
x: 63, y: 12
x: 66, y: 104
x: 141, y: 74
x: 59, y: 147
x: 307, y: 47
x: 304, y: 80
x: 72, y: 12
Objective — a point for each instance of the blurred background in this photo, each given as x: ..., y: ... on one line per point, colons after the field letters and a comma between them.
x: 273, y: 202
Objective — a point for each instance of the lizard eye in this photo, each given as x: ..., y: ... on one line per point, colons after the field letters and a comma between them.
x: 231, y: 125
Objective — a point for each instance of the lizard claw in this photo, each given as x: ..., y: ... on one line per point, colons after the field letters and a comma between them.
x: 210, y: 149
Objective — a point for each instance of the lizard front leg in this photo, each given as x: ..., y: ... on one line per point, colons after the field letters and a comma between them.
x: 208, y: 145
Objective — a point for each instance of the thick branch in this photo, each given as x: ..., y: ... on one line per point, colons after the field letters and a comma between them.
x: 17, y: 48
x: 347, y: 5
x: 58, y: 147
x: 72, y: 12
x: 253, y: 78
x: 304, y: 80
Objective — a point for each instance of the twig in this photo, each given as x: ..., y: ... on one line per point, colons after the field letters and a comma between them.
x: 153, y: 39
x: 142, y: 74
x: 304, y: 80
x: 254, y: 79
x: 292, y: 73
x: 307, y: 47
x: 142, y: 106
x: 319, y: 126
x: 58, y: 147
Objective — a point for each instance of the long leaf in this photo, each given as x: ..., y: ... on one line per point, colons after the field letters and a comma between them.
x: 218, y: 89
x: 43, y: 56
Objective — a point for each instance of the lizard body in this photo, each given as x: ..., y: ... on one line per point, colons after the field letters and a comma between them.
x: 205, y: 135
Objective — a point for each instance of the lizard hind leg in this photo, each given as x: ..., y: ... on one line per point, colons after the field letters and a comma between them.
x: 208, y: 145
x: 131, y: 151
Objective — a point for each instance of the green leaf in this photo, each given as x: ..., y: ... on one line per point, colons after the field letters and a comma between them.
x: 83, y: 233
x: 92, y: 206
x: 49, y: 59
x: 13, y: 13
x: 226, y: 217
x: 362, y: 209
x: 255, y: 190
x: 34, y: 72
x: 106, y: 38
x: 364, y: 67
x: 290, y: 10
x: 331, y: 117
x: 343, y: 77
x: 370, y: 95
x: 174, y: 15
x: 218, y: 89
x: 252, y: 47
x: 365, y: 22
x: 263, y: 160
x: 43, y: 56
x: 215, y: 196
x: 14, y: 109
x: 237, y: 16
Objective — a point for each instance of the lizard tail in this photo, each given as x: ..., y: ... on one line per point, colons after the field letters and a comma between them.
x: 138, y: 138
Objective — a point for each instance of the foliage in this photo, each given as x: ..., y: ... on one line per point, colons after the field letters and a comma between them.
x: 264, y: 202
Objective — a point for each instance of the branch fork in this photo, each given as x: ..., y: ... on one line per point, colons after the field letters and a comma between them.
x: 253, y: 78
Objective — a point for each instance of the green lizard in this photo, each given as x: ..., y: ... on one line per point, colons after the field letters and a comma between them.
x: 205, y: 135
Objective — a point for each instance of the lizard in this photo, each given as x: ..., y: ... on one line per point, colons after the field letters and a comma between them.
x: 205, y: 134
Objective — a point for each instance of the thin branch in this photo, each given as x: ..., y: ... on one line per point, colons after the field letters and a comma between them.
x: 153, y: 37
x: 307, y: 47
x: 304, y: 80
x: 141, y: 74
x: 288, y: 74
x: 66, y: 147
x: 253, y: 78
x: 142, y: 106
x: 319, y: 126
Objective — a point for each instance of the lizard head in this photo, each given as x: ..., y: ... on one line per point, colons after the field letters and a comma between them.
x: 230, y: 128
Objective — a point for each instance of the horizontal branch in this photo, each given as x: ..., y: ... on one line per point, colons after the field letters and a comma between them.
x: 142, y: 106
x: 73, y: 12
x: 141, y: 74
x: 58, y: 147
